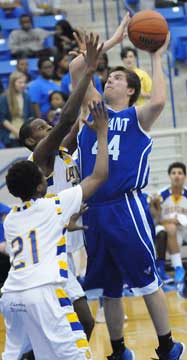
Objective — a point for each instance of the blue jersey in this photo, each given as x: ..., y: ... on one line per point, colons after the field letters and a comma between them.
x: 129, y: 147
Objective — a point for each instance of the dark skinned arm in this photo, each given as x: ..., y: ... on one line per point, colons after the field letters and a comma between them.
x: 44, y: 153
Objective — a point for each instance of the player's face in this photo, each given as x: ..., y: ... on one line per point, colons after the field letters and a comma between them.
x: 116, y: 86
x: 40, y: 129
x: 177, y: 177
x: 130, y: 60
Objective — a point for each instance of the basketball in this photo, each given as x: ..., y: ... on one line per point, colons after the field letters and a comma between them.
x: 147, y: 30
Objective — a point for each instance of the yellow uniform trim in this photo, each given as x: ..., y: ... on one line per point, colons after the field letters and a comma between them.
x: 60, y: 293
x: 62, y: 241
x: 82, y: 343
x: 72, y: 317
x: 63, y: 265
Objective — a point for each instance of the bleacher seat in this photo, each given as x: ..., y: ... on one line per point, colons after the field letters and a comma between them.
x: 47, y: 22
x: 6, y: 68
x: 8, y: 25
x: 9, y: 66
x: 26, y: 7
x: 175, y: 16
x: 179, y: 43
x: 4, y: 50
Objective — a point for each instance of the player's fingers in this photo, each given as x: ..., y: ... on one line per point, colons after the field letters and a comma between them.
x: 100, y: 47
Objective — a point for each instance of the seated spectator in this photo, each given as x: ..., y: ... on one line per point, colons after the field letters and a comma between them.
x: 57, y: 100
x: 64, y: 40
x: 173, y: 217
x: 28, y: 41
x: 40, y: 88
x: 15, y: 109
x: 23, y: 66
x: 61, y: 67
x: 11, y: 8
x: 128, y: 56
x: 46, y: 7
x: 103, y: 69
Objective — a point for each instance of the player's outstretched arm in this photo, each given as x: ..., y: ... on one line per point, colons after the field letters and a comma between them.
x: 47, y: 148
x: 77, y: 65
x: 100, y: 172
x: 148, y: 113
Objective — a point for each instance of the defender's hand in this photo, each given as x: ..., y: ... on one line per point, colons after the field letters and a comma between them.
x: 100, y: 117
x: 92, y: 51
x: 73, y: 226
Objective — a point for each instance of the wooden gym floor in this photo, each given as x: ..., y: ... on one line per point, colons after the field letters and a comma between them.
x: 138, y: 330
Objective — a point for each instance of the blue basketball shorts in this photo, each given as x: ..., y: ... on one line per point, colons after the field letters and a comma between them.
x: 120, y: 247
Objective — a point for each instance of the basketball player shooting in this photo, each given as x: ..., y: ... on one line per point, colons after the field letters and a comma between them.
x: 119, y: 225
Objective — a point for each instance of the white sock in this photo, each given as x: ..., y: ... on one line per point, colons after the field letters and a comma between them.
x: 176, y: 260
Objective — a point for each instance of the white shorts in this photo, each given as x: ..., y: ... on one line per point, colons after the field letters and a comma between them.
x: 43, y: 319
x: 72, y: 287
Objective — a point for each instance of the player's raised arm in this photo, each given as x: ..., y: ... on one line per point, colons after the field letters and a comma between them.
x: 47, y: 148
x: 149, y: 112
x: 77, y: 65
x: 100, y: 172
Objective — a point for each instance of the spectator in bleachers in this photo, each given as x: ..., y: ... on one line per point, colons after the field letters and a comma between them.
x: 103, y: 69
x: 15, y: 109
x: 23, y: 66
x: 46, y: 7
x: 63, y: 38
x: 61, y: 67
x: 129, y: 57
x: 42, y: 87
x: 28, y: 41
x: 11, y: 8
x: 57, y: 100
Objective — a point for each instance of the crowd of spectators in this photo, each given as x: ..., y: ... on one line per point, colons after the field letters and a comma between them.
x: 43, y: 91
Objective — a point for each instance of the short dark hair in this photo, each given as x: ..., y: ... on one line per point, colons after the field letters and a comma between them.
x: 25, y: 16
x: 133, y: 82
x: 22, y: 179
x: 25, y: 132
x: 177, y: 164
x: 125, y: 50
x: 42, y: 60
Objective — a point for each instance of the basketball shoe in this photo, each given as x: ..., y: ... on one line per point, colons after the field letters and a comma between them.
x: 176, y: 353
x: 126, y: 355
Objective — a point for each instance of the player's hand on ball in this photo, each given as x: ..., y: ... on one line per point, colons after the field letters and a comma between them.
x: 164, y: 47
x: 99, y: 116
x: 121, y: 32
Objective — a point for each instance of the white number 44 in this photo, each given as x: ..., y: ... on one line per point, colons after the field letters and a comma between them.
x: 113, y: 147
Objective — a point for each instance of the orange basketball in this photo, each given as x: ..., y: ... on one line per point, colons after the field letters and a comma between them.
x: 147, y: 30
